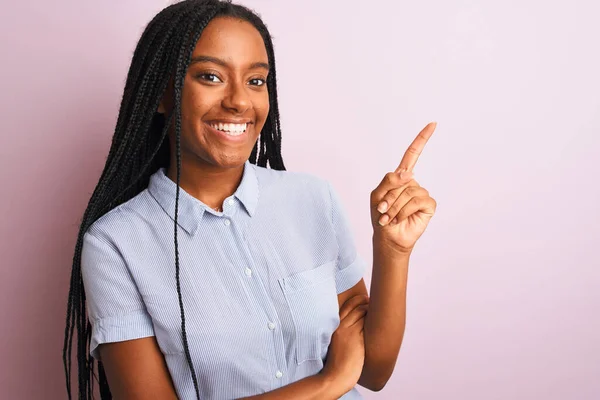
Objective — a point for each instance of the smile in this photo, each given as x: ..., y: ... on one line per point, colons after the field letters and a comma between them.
x: 230, y: 132
x: 229, y: 129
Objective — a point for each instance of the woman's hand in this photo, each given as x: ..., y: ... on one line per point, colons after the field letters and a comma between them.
x: 346, y: 354
x: 400, y: 207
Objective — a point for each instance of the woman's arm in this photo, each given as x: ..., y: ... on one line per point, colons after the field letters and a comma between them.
x: 316, y: 387
x: 136, y: 369
x: 385, y: 322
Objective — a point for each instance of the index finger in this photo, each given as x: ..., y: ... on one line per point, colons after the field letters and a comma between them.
x: 416, y: 148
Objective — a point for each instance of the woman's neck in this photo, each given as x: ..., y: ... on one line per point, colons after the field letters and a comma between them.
x: 208, y: 183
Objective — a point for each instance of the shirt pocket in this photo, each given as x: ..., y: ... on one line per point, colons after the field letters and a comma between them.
x: 312, y: 298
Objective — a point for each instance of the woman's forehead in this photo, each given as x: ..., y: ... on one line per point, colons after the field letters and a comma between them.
x: 233, y: 40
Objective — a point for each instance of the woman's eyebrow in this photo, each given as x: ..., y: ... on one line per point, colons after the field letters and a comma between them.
x: 218, y: 61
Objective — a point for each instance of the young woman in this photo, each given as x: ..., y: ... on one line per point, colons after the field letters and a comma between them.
x: 201, y: 273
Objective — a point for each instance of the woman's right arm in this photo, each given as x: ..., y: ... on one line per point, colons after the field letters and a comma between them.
x: 316, y: 387
x: 136, y: 369
x: 122, y: 330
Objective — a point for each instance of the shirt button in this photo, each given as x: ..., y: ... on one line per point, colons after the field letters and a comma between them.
x: 248, y: 271
x: 278, y: 374
x: 230, y: 202
x: 226, y: 222
x: 271, y: 326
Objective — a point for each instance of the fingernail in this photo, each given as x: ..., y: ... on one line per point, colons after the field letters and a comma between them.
x: 382, y: 207
x: 384, y: 219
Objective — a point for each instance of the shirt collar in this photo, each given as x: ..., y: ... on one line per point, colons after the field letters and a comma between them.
x: 191, y: 210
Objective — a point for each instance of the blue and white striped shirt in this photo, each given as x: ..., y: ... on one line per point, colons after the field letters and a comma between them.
x: 259, y: 280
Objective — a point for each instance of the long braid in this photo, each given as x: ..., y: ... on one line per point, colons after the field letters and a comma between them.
x: 76, y: 283
x: 140, y: 146
x: 183, y: 61
x: 78, y: 313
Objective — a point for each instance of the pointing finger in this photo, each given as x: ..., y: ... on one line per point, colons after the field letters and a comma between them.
x: 416, y: 148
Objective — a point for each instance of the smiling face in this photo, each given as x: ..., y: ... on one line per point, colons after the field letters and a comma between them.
x: 224, y: 102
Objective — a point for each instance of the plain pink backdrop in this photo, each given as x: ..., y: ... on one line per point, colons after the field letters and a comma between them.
x: 504, y: 287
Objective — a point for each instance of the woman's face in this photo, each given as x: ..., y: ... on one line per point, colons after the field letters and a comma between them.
x: 224, y: 102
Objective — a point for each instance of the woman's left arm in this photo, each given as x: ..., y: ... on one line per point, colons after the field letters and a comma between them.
x: 400, y: 211
x: 385, y: 320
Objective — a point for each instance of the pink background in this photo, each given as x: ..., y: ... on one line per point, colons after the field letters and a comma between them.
x: 504, y: 287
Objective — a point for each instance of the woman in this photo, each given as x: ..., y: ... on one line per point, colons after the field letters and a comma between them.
x: 201, y: 273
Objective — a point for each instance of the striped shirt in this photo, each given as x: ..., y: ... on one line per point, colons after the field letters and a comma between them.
x: 259, y: 280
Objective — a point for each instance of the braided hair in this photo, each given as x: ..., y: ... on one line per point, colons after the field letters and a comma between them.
x: 140, y: 146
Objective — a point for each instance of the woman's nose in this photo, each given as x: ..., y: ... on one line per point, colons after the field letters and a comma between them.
x: 237, y: 98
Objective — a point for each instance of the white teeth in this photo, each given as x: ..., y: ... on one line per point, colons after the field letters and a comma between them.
x: 230, y: 129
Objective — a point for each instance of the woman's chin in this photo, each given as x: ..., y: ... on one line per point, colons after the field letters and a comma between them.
x: 231, y: 160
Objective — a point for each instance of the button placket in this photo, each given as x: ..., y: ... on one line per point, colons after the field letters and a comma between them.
x: 267, y: 303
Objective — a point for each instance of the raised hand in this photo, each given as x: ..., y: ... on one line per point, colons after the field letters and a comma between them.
x: 400, y: 207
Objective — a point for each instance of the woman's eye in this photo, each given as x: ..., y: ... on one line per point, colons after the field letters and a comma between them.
x: 209, y: 77
x: 257, y: 82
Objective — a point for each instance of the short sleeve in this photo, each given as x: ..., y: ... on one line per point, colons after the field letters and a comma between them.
x: 350, y: 266
x: 114, y: 305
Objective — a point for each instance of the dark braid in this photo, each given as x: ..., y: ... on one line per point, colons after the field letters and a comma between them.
x: 140, y: 146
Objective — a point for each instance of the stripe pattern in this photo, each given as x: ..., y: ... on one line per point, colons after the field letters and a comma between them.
x: 259, y: 280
